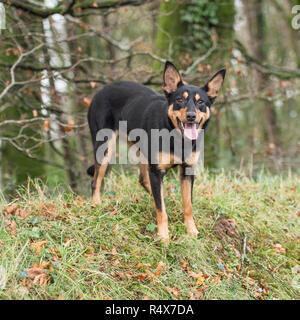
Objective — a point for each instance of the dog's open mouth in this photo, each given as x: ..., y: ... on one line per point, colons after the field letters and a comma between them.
x: 188, y: 129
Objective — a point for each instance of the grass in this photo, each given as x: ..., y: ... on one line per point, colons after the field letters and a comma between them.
x: 56, y: 245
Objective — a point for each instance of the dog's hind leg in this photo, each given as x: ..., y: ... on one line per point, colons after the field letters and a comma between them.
x: 156, y: 180
x: 144, y: 177
x: 101, y: 165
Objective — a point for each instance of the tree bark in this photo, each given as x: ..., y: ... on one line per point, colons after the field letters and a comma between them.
x: 257, y: 34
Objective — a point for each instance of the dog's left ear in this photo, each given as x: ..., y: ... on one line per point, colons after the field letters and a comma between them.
x: 172, y: 78
x: 214, y: 85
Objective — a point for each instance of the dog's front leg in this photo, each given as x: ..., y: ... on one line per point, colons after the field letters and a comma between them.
x: 186, y: 183
x: 156, y: 181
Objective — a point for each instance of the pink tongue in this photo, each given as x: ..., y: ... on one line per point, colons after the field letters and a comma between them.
x: 190, y: 131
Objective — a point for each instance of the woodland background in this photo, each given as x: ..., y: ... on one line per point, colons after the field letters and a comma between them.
x: 55, y: 54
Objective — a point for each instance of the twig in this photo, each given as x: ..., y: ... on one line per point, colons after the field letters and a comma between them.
x: 244, y: 254
x: 12, y: 70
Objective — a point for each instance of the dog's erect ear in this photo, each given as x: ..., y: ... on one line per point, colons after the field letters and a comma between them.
x: 172, y: 78
x: 213, y: 86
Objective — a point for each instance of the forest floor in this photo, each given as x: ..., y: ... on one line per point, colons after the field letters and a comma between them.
x: 56, y: 245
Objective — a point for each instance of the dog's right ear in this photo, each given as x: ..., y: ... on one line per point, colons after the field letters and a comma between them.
x: 172, y: 78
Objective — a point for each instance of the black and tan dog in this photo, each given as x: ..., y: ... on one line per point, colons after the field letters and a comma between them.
x: 185, y: 108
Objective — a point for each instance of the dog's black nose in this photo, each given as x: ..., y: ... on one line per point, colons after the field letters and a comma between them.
x: 190, y: 116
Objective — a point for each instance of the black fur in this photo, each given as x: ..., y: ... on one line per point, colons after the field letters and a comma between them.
x: 91, y: 170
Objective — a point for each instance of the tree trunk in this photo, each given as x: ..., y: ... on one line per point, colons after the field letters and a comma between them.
x: 67, y: 151
x: 257, y: 34
x: 169, y: 31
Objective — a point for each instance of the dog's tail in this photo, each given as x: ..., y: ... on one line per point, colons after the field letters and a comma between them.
x: 91, y: 170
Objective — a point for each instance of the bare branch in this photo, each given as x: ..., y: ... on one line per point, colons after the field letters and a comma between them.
x: 279, y: 72
x: 44, y: 12
x: 12, y: 70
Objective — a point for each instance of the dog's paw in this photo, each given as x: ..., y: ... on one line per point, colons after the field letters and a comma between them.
x: 191, y: 229
x: 164, y: 240
x: 96, y: 202
x: 163, y: 235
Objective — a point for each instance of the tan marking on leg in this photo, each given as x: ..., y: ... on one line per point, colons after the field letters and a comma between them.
x: 95, y: 185
x: 186, y: 194
x: 162, y: 220
x: 98, y: 182
x: 100, y: 170
x: 144, y: 177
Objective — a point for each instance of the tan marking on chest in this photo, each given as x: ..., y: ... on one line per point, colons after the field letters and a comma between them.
x: 192, y: 159
x: 167, y: 160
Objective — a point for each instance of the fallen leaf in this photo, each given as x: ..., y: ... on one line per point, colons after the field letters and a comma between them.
x: 38, y: 275
x: 44, y: 264
x: 21, y: 213
x: 279, y: 248
x: 174, y: 291
x: 258, y: 296
x: 141, y: 265
x: 37, y: 246
x: 184, y: 263
x: 13, y: 229
x: 11, y: 209
x: 53, y: 250
x: 198, y: 295
x: 142, y: 276
x: 160, y: 266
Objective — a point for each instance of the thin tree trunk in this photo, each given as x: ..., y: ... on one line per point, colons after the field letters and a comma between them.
x: 257, y: 34
x: 169, y: 31
x: 67, y: 151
